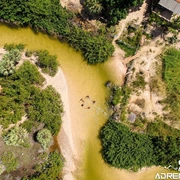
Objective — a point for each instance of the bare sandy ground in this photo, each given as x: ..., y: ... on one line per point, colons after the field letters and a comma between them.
x: 65, y: 139
x: 71, y: 4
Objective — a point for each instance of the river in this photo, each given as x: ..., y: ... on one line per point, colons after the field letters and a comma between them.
x: 83, y: 80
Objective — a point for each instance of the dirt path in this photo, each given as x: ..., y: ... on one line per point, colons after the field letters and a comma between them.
x: 118, y: 55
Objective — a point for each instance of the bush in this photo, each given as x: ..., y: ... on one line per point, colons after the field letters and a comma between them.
x: 129, y: 51
x: 16, y: 136
x: 117, y: 95
x: 46, y: 107
x: 28, y: 73
x: 9, y: 47
x: 47, y: 62
x: 28, y: 53
x: 139, y: 82
x: 49, y: 169
x: 9, y: 61
x: 9, y: 161
x: 44, y: 137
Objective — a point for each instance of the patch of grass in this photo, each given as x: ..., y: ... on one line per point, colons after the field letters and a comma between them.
x: 159, y: 128
x: 171, y: 77
x: 129, y: 41
x: 9, y: 161
x: 129, y: 51
x: 139, y: 82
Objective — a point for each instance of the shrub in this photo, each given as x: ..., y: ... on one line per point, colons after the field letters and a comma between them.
x: 47, y: 62
x: 28, y: 53
x: 46, y: 107
x: 129, y: 150
x: 28, y: 73
x: 117, y: 95
x: 49, y: 169
x: 124, y: 149
x: 16, y: 136
x: 9, y: 61
x: 9, y: 47
x: 44, y: 137
x: 9, y: 161
x: 139, y: 82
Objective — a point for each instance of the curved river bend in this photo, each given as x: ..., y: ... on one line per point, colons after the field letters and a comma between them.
x: 83, y: 80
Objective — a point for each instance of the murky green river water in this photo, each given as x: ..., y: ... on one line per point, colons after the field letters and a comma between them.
x: 83, y: 80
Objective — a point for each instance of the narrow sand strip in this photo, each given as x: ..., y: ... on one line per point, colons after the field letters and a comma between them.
x: 65, y: 139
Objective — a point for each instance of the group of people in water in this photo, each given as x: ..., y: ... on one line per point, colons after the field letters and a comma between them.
x: 84, y: 102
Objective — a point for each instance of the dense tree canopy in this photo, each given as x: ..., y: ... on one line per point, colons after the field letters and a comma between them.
x: 129, y: 150
x: 124, y: 149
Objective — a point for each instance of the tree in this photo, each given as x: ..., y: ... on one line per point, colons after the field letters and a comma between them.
x: 93, y: 6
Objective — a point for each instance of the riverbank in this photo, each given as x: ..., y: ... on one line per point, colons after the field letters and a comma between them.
x: 64, y: 138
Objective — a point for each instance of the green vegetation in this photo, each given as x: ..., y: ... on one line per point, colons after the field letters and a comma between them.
x: 21, y: 95
x: 124, y: 149
x: 130, y: 40
x: 48, y: 63
x: 111, y: 10
x: 16, y: 136
x: 93, y: 7
x: 9, y: 47
x: 28, y: 74
x: 46, y: 107
x: 50, y: 169
x: 155, y: 19
x: 171, y: 77
x: 117, y: 95
x: 159, y: 128
x: 44, y: 137
x: 120, y: 95
x: 139, y: 82
x: 9, y: 161
x: 128, y: 150
x: 51, y: 18
x: 9, y: 61
x: 129, y: 51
